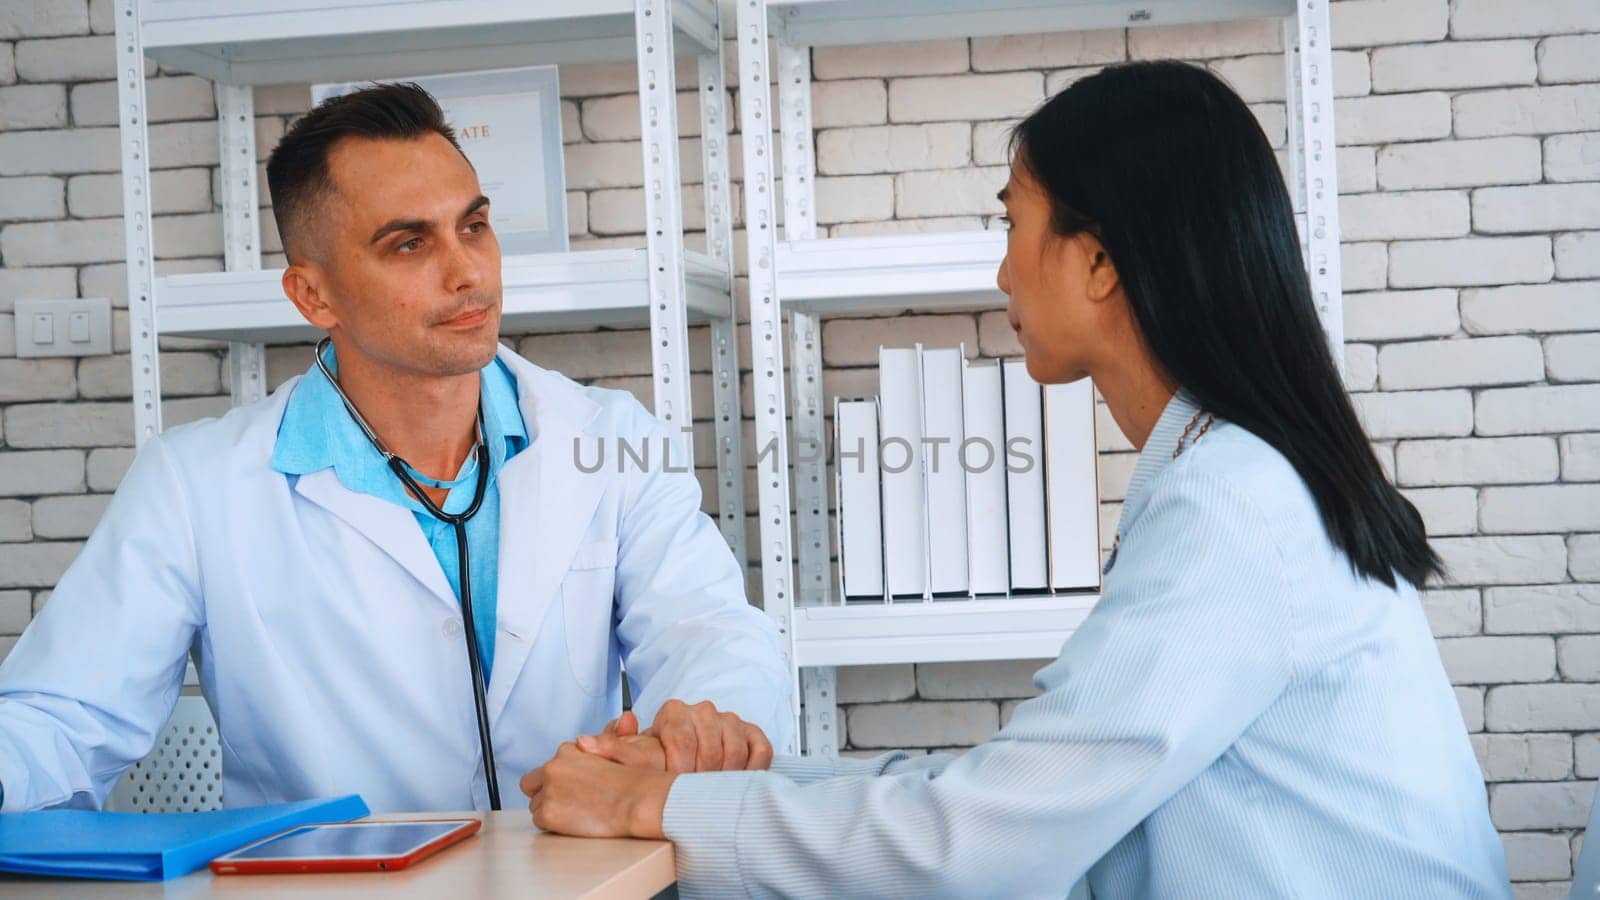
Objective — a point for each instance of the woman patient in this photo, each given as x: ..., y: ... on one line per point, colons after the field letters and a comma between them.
x: 1255, y: 707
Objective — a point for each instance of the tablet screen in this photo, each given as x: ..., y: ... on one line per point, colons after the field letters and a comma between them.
x: 379, y: 840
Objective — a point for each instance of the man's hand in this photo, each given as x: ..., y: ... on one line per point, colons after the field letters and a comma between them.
x: 694, y: 738
x: 622, y: 743
x: 586, y: 795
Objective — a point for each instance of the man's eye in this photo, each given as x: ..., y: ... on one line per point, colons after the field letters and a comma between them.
x: 477, y: 227
x: 410, y: 246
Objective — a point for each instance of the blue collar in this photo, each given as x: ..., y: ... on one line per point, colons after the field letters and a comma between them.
x: 1157, y: 452
x: 317, y: 433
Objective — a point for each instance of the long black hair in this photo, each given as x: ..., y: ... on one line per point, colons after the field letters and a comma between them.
x: 1166, y: 166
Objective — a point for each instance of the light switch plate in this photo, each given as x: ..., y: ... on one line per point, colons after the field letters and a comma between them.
x: 64, y: 327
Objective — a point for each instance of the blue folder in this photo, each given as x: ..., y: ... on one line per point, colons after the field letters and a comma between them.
x: 149, y: 846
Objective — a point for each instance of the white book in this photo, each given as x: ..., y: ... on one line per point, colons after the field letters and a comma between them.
x: 905, y: 547
x: 983, y: 459
x: 946, y: 484
x: 860, y: 514
x: 1025, y: 504
x: 1072, y: 486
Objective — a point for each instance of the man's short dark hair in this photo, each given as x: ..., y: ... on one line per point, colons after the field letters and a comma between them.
x: 297, y: 171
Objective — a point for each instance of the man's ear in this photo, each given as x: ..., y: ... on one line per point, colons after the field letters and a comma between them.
x: 303, y: 284
x: 1103, y: 280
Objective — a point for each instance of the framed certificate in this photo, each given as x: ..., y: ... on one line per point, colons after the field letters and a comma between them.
x: 508, y: 122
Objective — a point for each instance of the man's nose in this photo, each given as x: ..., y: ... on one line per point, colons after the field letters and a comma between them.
x: 464, y: 270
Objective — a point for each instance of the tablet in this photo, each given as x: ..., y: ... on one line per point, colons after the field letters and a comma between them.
x: 346, y: 847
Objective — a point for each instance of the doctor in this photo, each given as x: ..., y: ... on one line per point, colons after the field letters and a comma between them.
x: 397, y: 545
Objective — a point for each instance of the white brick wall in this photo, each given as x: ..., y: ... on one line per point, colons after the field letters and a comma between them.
x: 1469, y: 162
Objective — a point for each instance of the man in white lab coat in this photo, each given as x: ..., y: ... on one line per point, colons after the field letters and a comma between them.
x: 319, y: 583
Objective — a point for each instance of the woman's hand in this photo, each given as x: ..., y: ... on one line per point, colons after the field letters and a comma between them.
x: 683, y: 738
x: 585, y: 795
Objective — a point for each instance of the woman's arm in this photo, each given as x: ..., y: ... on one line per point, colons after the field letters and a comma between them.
x: 1191, y: 641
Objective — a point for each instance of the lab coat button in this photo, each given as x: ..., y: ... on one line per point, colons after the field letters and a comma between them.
x: 452, y: 628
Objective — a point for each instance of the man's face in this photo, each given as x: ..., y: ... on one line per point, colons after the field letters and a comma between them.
x: 403, y: 258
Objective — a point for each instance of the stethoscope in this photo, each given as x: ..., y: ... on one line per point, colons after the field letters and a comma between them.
x: 459, y: 522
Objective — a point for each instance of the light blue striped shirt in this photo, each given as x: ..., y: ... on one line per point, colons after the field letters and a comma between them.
x: 1240, y: 716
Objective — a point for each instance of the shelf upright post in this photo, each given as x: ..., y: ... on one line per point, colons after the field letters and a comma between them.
x: 810, y: 476
x: 766, y: 331
x: 725, y: 330
x: 241, y: 225
x: 137, y: 225
x: 1312, y: 159
x: 663, y: 212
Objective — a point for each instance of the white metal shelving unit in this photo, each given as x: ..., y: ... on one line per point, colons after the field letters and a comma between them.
x: 245, y: 43
x: 806, y: 277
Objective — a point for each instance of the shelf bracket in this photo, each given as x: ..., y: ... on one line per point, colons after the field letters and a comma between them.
x: 820, y: 685
x: 805, y: 335
x: 663, y: 213
x: 766, y: 333
x: 241, y: 225
x: 137, y: 225
x: 725, y: 329
x: 1313, y: 161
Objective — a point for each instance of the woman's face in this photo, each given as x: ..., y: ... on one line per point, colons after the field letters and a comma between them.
x: 1054, y: 283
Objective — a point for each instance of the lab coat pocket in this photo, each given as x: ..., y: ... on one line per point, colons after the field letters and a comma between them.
x: 587, y: 605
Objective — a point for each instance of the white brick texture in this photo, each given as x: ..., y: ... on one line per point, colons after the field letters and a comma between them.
x: 1569, y: 58
x: 1398, y: 315
x: 1553, y: 608
x: 1536, y: 208
x: 1367, y: 23
x: 1048, y: 51
x: 1532, y: 308
x: 1498, y: 660
x: 895, y: 148
x: 1460, y: 363
x: 1578, y: 255
x: 33, y: 106
x: 1529, y: 509
x: 1512, y: 460
x: 1532, y: 110
x: 1496, y: 18
x: 1514, y: 560
x: 1402, y: 216
x: 30, y: 198
x: 965, y: 97
x: 1573, y: 357
x: 1572, y: 157
x: 1396, y: 117
x: 1524, y: 757
x: 43, y: 18
x: 890, y: 60
x: 1415, y: 414
x: 1539, y: 410
x: 1453, y: 65
x: 1446, y: 511
x: 1580, y: 459
x: 1446, y: 164
x: 1470, y: 262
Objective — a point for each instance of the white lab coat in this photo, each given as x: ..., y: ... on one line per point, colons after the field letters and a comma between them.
x: 329, y: 642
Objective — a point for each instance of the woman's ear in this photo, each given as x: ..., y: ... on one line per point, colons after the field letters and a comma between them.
x: 1102, y: 278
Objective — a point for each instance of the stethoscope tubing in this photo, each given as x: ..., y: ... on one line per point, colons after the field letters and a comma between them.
x: 458, y: 521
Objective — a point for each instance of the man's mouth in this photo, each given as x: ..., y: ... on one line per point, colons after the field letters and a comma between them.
x: 468, y: 319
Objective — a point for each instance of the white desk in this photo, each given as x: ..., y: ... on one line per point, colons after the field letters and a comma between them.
x: 507, y: 858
